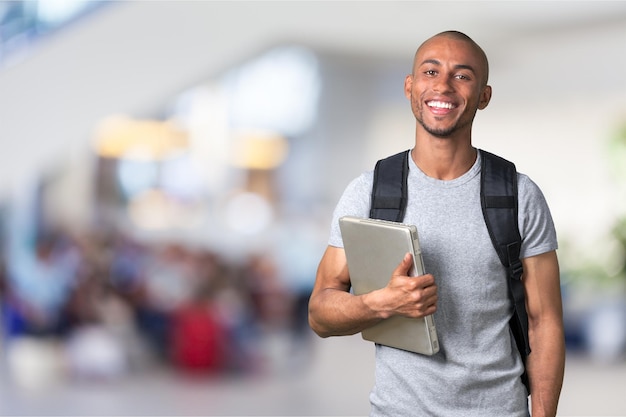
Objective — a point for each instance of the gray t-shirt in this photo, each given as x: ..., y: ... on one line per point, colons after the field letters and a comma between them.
x: 477, y: 370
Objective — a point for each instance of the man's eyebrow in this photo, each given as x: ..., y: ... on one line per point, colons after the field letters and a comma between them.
x: 465, y: 66
x: 430, y: 61
x: 458, y: 66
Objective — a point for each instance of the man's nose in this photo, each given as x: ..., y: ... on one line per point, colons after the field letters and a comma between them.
x: 443, y: 84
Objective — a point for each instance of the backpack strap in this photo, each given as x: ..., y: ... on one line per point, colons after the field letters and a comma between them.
x: 498, y: 199
x: 389, y: 192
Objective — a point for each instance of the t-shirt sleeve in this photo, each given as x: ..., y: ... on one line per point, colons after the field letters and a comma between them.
x: 355, y: 201
x: 535, y: 220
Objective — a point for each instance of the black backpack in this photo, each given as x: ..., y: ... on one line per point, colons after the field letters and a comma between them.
x: 498, y: 198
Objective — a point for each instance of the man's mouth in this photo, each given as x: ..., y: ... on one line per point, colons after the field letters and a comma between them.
x: 440, y: 105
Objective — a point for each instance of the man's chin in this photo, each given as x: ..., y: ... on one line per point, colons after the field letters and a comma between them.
x: 443, y: 132
x: 440, y: 133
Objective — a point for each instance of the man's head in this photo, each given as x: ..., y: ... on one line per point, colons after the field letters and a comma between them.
x: 448, y: 84
x: 460, y: 36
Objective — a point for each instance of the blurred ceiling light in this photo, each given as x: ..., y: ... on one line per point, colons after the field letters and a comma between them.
x: 123, y: 137
x: 256, y: 149
x: 278, y: 91
x: 153, y: 210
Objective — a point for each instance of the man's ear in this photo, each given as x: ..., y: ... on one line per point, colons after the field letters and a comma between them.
x: 485, y: 97
x: 408, y: 84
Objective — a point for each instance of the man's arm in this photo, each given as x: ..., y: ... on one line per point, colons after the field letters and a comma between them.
x: 546, y: 362
x: 334, y: 311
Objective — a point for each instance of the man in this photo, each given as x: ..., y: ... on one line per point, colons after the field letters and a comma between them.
x: 477, y: 370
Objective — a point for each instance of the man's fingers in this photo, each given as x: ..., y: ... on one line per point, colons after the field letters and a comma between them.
x: 405, y: 265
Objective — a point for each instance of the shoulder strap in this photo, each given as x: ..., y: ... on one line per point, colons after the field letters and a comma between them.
x: 498, y: 198
x: 389, y: 192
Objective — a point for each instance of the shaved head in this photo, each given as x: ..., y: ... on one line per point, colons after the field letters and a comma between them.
x: 460, y: 36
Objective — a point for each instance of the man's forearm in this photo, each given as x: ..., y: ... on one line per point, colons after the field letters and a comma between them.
x: 339, y: 313
x: 545, y: 367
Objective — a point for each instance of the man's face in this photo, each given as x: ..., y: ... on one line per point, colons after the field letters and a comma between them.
x: 447, y: 86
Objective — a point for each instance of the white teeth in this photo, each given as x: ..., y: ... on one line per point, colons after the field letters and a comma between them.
x: 440, y: 104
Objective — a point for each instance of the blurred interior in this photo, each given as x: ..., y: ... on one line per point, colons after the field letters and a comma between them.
x: 169, y: 171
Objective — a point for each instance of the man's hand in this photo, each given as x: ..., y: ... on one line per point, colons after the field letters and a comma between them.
x: 404, y: 295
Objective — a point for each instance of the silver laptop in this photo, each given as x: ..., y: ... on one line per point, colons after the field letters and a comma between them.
x: 374, y: 248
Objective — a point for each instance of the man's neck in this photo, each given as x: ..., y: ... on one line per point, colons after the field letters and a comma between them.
x: 444, y: 158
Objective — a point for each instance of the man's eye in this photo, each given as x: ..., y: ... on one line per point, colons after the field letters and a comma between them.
x: 462, y: 77
x: 430, y: 72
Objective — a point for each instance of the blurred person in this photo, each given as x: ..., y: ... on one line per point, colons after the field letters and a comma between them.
x: 102, y: 341
x: 233, y: 306
x: 39, y: 285
x: 198, y: 339
x: 169, y: 281
x: 127, y: 265
x: 270, y: 296
x: 478, y: 370
x: 40, y: 278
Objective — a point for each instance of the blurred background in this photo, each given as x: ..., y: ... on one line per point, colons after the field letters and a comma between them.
x: 169, y: 170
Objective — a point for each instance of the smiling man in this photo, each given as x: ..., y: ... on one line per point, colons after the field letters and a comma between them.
x: 478, y: 369
x: 448, y: 79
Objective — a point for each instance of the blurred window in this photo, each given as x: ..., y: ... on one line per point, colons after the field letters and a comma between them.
x: 22, y: 23
x: 277, y: 91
